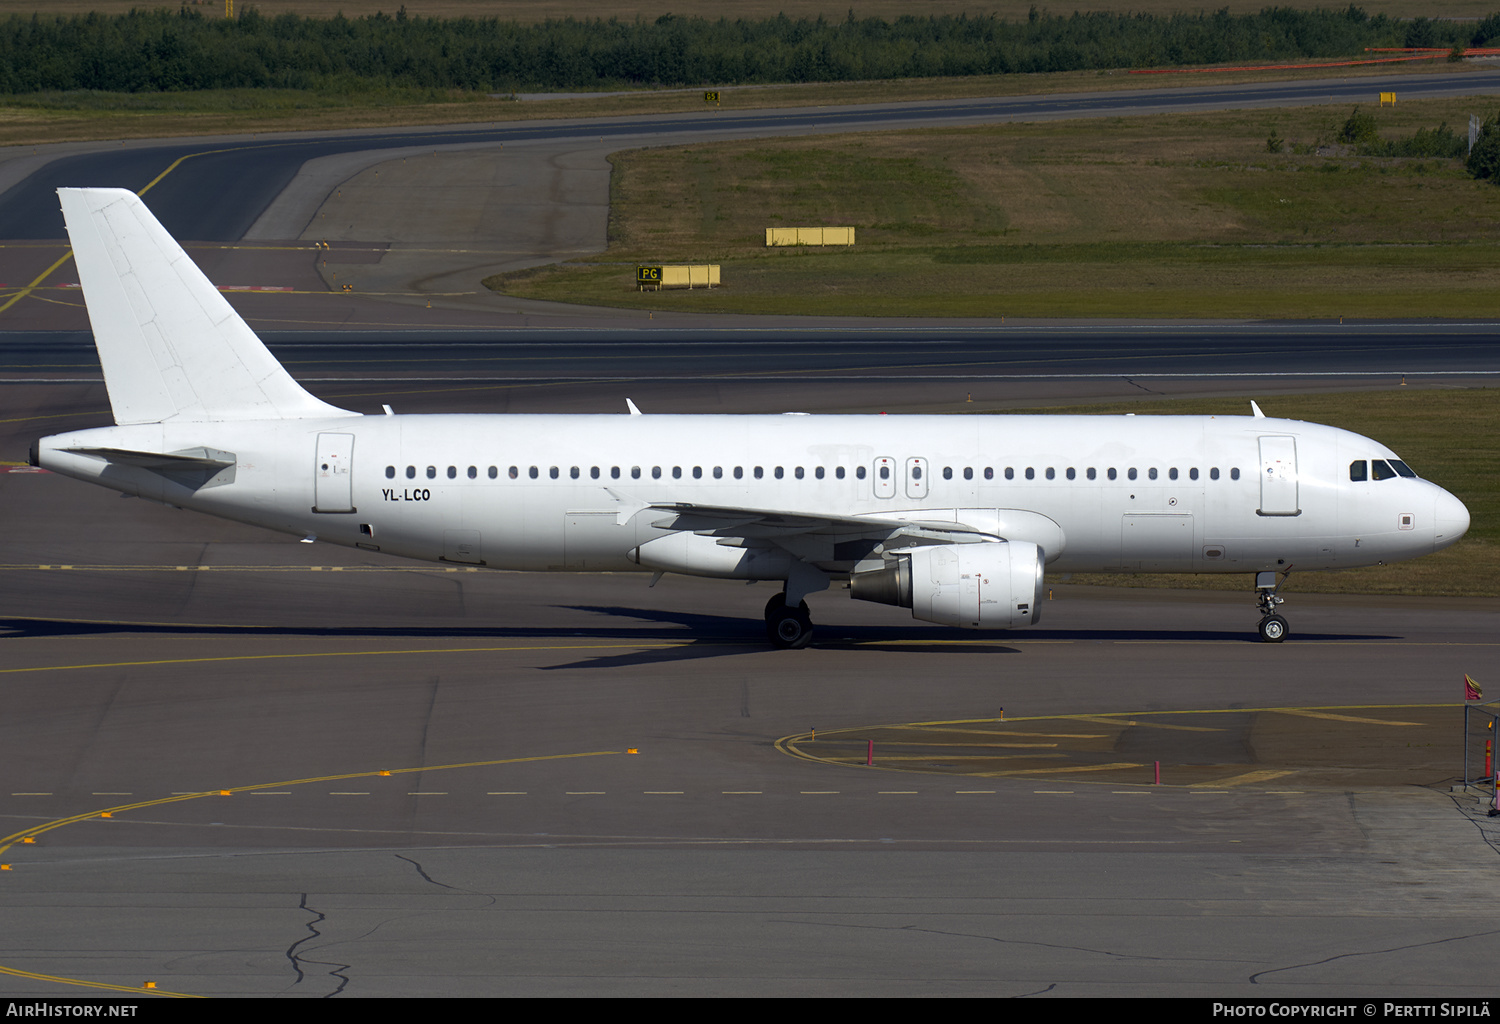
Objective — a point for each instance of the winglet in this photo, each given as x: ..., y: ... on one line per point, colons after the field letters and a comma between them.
x: 1256, y: 409
x: 631, y: 405
x: 171, y: 346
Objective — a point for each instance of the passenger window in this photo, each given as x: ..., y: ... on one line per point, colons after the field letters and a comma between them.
x: 718, y: 472
x: 1172, y: 473
x: 1030, y: 473
x: 797, y: 472
x: 947, y: 472
x: 656, y: 472
x: 390, y: 472
x: 989, y: 473
x: 1010, y: 473
x: 1092, y: 473
x: 739, y: 472
x: 697, y: 472
x: 1193, y: 473
x: 819, y: 472
x: 968, y: 472
x: 759, y: 472
x: 411, y: 472
x: 1234, y: 474
x: 676, y: 472
x: 495, y: 472
x: 432, y: 472
x: 779, y: 472
x: 1151, y: 473
x: 1113, y: 473
x: 593, y: 472
x: 635, y: 472
x: 1051, y: 473
x: 532, y: 472
x: 1072, y: 473
x: 614, y: 472
x: 859, y: 472
x: 916, y: 472
x: 473, y: 472
x: 1359, y: 470
x: 452, y: 472
x: 1130, y: 472
x: 514, y: 472
x: 885, y: 472
x: 839, y: 472
x: 552, y: 472
x: 573, y: 473
x: 1213, y: 474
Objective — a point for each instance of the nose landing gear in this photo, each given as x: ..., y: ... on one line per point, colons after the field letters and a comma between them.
x: 1273, y: 627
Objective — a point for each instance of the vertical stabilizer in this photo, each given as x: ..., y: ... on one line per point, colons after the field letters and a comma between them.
x: 172, y: 347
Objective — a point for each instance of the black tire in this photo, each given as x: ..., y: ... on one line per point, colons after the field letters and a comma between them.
x: 1273, y: 629
x: 788, y: 629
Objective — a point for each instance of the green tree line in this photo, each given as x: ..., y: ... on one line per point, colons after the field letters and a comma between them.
x: 163, y: 50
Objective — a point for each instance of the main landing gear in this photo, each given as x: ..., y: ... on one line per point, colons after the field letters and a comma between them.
x: 788, y: 628
x: 1273, y: 627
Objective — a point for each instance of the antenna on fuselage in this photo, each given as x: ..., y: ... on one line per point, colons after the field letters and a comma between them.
x: 1256, y: 409
x: 631, y: 405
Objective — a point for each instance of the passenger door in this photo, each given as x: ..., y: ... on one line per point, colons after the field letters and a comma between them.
x: 1278, y: 476
x: 332, y: 474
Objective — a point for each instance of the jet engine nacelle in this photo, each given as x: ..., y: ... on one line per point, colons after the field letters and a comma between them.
x: 976, y: 586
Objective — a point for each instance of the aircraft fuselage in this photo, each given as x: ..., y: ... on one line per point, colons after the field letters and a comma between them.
x: 539, y: 492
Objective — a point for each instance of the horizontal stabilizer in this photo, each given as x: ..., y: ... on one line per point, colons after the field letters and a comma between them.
x: 171, y: 346
x: 195, y: 458
x: 193, y: 468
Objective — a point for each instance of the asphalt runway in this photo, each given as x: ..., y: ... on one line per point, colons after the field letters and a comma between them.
x: 330, y: 773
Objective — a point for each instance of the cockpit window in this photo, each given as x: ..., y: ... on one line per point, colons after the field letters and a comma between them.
x: 1359, y: 469
x: 1383, y: 470
x: 1402, y: 468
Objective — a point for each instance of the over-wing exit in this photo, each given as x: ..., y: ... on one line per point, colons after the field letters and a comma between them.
x: 954, y: 517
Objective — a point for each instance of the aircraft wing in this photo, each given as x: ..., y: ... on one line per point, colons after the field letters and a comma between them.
x: 773, y: 525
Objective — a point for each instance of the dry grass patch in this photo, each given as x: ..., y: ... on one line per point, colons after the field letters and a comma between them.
x: 1172, y: 215
x: 541, y: 10
x: 1171, y: 178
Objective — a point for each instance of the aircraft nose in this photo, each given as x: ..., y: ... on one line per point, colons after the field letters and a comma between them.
x: 1450, y: 521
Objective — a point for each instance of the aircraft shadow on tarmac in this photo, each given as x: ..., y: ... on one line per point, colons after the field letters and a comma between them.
x: 691, y: 635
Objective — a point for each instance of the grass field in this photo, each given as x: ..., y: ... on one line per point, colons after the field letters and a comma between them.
x: 1178, y: 215
x: 1451, y: 437
x: 540, y: 10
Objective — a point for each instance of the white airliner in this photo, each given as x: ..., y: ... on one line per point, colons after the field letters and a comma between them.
x: 954, y: 517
